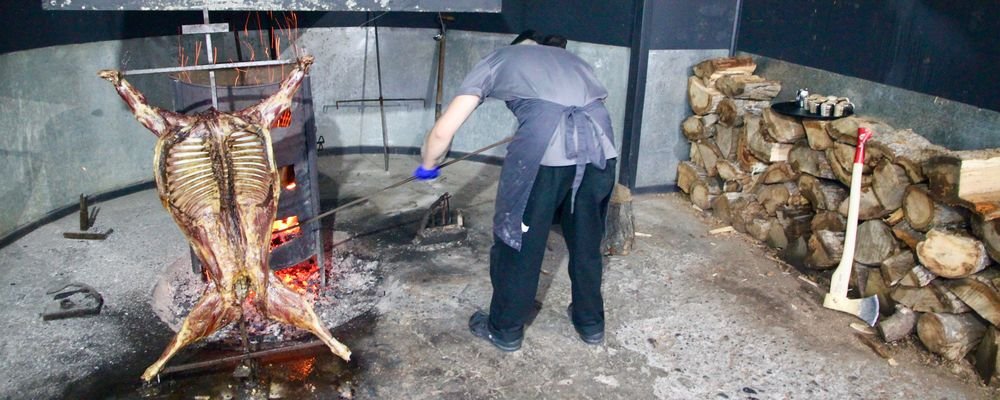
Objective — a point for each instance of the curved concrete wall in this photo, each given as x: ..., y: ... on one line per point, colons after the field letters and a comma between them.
x: 64, y: 132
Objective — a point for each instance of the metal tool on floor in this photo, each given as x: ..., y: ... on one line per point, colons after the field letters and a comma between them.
x: 88, y: 217
x: 866, y: 308
x: 381, y: 99
x: 394, y: 185
x: 72, y: 300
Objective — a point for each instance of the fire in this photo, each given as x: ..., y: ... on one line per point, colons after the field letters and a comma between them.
x: 290, y: 186
x: 284, y: 120
x: 302, y: 277
x: 279, y: 235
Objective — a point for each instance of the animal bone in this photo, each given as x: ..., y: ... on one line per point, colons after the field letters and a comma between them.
x: 215, y: 175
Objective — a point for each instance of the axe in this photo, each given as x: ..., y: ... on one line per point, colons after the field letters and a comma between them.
x: 865, y: 308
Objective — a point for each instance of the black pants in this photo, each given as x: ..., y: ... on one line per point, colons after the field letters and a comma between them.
x: 515, y: 274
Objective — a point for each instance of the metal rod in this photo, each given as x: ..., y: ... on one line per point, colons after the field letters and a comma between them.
x: 381, y: 100
x: 245, y: 64
x: 440, y: 72
x: 211, y: 60
x: 241, y: 357
x: 339, y: 102
x: 394, y: 185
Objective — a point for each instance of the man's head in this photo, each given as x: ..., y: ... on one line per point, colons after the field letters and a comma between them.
x: 526, y: 37
x: 554, y: 41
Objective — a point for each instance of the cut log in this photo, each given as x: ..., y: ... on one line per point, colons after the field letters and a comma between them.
x: 782, y: 128
x: 776, y: 237
x: 620, y: 233
x: 828, y: 221
x: 779, y: 172
x: 732, y: 186
x: 751, y: 87
x: 896, y: 217
x: 703, y: 100
x: 948, y: 335
x: 889, y: 182
x: 705, y: 189
x: 899, y: 325
x: 731, y: 171
x: 816, y: 134
x: 745, y: 153
x: 714, y: 69
x: 931, y: 298
x: 709, y: 154
x: 796, y: 221
x: 759, y: 228
x: 989, y: 233
x: 726, y: 138
x: 987, y: 358
x: 895, y: 268
x: 875, y: 286
x: 761, y: 147
x: 732, y: 111
x: 775, y: 196
x: 721, y: 206
x: 906, y: 149
x: 841, y: 159
x: 980, y: 295
x: 743, y: 211
x: 951, y: 254
x: 923, y: 213
x: 917, y: 277
x: 909, y: 236
x: 687, y: 173
x: 870, y: 207
x: 967, y: 179
x: 875, y: 243
x: 694, y: 128
x: 825, y: 249
x: 822, y: 194
x: 845, y: 130
x: 809, y: 161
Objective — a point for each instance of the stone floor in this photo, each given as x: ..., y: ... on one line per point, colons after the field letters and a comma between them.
x: 689, y: 315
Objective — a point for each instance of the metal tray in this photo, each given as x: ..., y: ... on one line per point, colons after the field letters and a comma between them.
x: 791, y: 108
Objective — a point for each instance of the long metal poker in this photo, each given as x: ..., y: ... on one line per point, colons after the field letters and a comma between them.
x: 381, y: 99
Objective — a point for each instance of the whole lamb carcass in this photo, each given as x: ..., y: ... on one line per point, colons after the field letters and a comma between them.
x: 216, y: 176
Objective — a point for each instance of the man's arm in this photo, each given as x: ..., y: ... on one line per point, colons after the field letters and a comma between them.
x: 437, y: 141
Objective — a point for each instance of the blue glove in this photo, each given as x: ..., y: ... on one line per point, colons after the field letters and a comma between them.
x: 426, y: 174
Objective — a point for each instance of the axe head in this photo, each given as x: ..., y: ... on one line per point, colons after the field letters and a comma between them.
x: 866, y: 308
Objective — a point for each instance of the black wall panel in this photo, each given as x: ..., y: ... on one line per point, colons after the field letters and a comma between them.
x: 680, y: 24
x: 944, y: 48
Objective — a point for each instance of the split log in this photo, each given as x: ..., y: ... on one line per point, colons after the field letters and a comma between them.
x: 709, y: 154
x: 726, y: 138
x: 931, y: 298
x: 694, y: 128
x: 703, y: 190
x: 761, y: 147
x: 732, y: 111
x: 989, y: 233
x: 828, y: 221
x: 923, y: 213
x: 987, y: 358
x: 917, y: 277
x: 895, y: 217
x: 816, y: 134
x: 875, y: 286
x: 759, y: 228
x: 721, y: 208
x: 743, y: 211
x: 899, y: 325
x: 845, y: 130
x: 687, y: 173
x: 731, y: 171
x: 875, y: 243
x: 702, y: 99
x: 751, y: 87
x: 906, y: 149
x: 779, y: 172
x: 775, y: 196
x: 895, y: 268
x: 909, y: 236
x: 825, y: 249
x: 870, y: 207
x: 809, y: 161
x: 841, y: 159
x: 948, y: 335
x: 889, y: 182
x: 796, y: 221
x: 695, y: 155
x: 714, y: 69
x: 620, y: 233
x: 822, y: 194
x: 980, y: 295
x: 776, y: 237
x: 967, y: 179
x: 732, y: 186
x: 951, y: 254
x: 745, y: 154
x: 782, y: 128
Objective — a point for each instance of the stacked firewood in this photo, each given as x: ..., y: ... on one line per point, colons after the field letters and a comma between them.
x: 929, y: 223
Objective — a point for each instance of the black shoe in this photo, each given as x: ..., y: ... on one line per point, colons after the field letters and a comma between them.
x: 593, y: 338
x: 479, y: 325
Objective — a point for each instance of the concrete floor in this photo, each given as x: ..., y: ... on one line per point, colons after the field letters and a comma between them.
x: 689, y: 315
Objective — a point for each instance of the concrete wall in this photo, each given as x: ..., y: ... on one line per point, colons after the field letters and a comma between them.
x: 944, y: 122
x: 64, y: 131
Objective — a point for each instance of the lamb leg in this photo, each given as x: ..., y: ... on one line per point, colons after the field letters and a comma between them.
x: 157, y: 120
x: 286, y: 306
x: 210, y: 314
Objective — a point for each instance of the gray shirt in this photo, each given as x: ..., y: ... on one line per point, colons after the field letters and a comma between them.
x: 560, y: 110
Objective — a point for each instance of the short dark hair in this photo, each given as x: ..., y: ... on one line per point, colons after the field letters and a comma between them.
x: 555, y: 41
x: 528, y: 34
